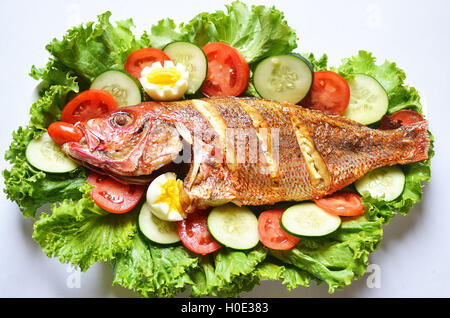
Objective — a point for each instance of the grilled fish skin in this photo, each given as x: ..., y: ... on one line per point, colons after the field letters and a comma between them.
x: 244, y: 150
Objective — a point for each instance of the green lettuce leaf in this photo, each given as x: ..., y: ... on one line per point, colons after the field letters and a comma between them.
x: 54, y: 73
x: 400, y: 96
x: 289, y: 276
x: 92, y: 49
x: 165, y: 32
x: 228, y: 272
x: 417, y: 174
x: 320, y: 64
x: 82, y: 54
x: 388, y: 75
x: 31, y: 188
x: 257, y: 32
x: 152, y: 270
x: 81, y: 233
x: 340, y: 258
x: 47, y: 109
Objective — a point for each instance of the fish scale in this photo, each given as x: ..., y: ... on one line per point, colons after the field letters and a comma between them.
x: 315, y: 154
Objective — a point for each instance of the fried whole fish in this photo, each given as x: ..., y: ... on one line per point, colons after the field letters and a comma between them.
x: 243, y: 150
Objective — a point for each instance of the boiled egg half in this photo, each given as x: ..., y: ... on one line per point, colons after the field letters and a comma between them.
x: 165, y: 82
x: 163, y: 197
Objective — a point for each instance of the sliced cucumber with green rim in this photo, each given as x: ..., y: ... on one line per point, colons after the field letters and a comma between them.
x: 125, y: 89
x: 155, y: 229
x: 193, y: 58
x: 283, y: 78
x: 233, y: 226
x: 385, y: 183
x: 44, y: 154
x: 368, y: 100
x: 308, y: 220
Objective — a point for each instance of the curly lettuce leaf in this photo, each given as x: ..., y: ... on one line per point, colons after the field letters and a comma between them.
x: 289, y: 276
x: 320, y: 64
x: 31, y: 188
x: 92, y: 49
x: 416, y: 174
x: 388, y: 75
x: 257, y: 32
x: 339, y: 259
x: 81, y: 55
x: 152, y: 270
x: 47, y: 109
x: 54, y: 73
x: 400, y: 96
x: 81, y: 233
x: 165, y: 32
x: 228, y: 272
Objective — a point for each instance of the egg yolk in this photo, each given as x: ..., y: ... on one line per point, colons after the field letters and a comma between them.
x: 164, y: 76
x: 170, y: 194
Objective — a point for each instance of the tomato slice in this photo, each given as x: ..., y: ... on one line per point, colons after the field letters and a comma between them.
x: 141, y: 58
x: 194, y: 233
x: 113, y: 196
x: 88, y: 104
x: 401, y: 118
x: 62, y: 132
x: 342, y: 203
x: 329, y: 93
x: 228, y: 71
x: 270, y: 232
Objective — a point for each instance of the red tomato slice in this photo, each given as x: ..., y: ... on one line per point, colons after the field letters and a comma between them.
x: 342, y: 203
x: 228, y: 71
x: 62, y: 132
x: 141, y: 58
x: 88, y: 104
x: 194, y: 233
x: 329, y: 93
x: 270, y: 232
x: 113, y: 196
x: 402, y: 118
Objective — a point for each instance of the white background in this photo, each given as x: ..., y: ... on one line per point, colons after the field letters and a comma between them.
x: 414, y: 258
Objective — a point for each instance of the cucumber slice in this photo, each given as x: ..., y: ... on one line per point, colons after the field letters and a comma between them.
x: 283, y: 78
x: 44, y: 154
x: 308, y: 220
x: 368, y: 100
x: 155, y: 229
x: 385, y: 183
x: 193, y: 58
x: 125, y: 89
x: 233, y: 226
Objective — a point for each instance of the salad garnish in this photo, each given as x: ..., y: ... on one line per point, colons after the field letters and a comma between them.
x: 142, y: 232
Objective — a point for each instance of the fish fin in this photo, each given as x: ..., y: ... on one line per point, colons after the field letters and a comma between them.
x: 416, y: 141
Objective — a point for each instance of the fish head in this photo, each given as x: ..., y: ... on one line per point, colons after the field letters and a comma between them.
x: 130, y: 141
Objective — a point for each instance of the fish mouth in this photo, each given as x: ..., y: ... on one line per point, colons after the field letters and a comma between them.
x: 138, y: 180
x: 180, y: 169
x: 90, y: 139
x: 82, y: 151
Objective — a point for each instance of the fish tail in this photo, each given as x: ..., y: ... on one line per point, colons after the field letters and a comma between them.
x: 414, y: 139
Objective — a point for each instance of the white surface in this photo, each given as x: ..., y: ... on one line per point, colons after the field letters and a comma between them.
x: 414, y: 258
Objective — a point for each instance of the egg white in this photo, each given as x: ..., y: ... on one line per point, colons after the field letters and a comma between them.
x: 162, y: 210
x: 165, y: 92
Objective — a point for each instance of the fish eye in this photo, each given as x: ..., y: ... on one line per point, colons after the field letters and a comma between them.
x: 121, y: 120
